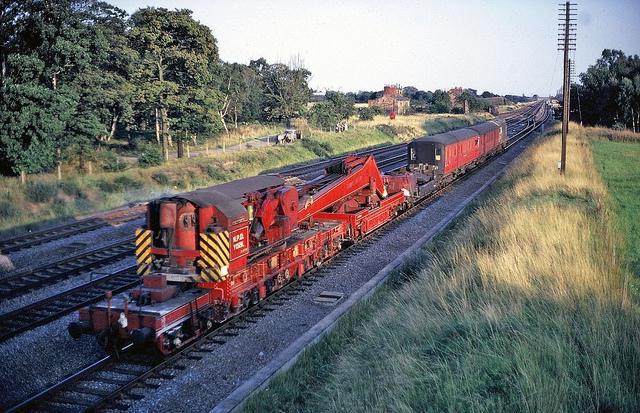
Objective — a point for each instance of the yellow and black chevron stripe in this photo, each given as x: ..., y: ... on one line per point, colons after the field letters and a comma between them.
x: 214, y: 256
x: 143, y: 251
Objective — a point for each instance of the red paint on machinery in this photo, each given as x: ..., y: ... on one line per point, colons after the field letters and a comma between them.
x: 231, y: 245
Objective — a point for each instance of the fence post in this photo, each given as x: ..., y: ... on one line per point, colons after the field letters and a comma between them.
x: 188, y: 152
x: 23, y: 177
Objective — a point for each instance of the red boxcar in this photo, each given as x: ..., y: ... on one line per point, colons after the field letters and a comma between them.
x: 451, y: 153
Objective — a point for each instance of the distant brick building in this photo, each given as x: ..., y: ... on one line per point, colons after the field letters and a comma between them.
x: 392, y: 101
x: 454, y: 97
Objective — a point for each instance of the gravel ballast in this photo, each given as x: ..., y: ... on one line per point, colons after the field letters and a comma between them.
x: 38, y: 358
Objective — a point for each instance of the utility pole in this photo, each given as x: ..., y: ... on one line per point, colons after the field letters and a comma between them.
x: 566, y: 42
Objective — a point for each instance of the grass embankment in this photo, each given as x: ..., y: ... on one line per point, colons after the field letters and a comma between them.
x: 617, y: 157
x: 44, y: 198
x: 522, y: 305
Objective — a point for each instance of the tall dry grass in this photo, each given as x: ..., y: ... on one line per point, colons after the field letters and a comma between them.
x: 521, y: 306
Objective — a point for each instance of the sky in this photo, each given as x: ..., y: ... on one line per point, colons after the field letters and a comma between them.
x: 506, y: 47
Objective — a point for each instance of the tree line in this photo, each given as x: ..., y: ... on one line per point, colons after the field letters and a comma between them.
x: 75, y: 73
x: 609, y: 92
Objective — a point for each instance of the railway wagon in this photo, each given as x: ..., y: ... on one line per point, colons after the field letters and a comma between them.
x: 452, y: 153
x: 206, y: 255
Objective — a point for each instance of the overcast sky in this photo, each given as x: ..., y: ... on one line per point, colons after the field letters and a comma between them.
x: 351, y: 45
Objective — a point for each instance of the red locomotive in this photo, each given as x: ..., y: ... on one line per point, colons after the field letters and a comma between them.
x: 206, y: 255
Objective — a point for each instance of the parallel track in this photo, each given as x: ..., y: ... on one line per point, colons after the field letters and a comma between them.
x: 132, y: 370
x: 67, y: 230
x: 51, y: 273
x: 56, y: 306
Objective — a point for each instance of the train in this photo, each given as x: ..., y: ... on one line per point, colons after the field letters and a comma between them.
x: 207, y: 255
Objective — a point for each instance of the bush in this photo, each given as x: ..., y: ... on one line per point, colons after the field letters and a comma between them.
x: 387, y: 130
x: 214, y: 172
x: 160, y: 178
x: 40, y: 191
x: 8, y: 209
x: 71, y: 188
x: 107, y: 186
x: 150, y: 156
x: 60, y: 208
x: 321, y: 149
x: 366, y: 113
x: 83, y: 205
x: 323, y: 115
x: 111, y: 162
x: 124, y: 182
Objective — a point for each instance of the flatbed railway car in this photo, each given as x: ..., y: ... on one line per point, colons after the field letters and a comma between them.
x: 446, y: 155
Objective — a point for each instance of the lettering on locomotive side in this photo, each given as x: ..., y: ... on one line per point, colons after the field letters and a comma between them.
x: 238, y: 241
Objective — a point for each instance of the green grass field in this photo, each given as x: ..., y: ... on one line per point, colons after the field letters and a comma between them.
x: 619, y: 165
x: 522, y: 305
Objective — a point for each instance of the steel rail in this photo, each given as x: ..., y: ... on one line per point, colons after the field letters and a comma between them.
x: 51, y: 308
x: 30, y: 279
x: 39, y: 313
x: 66, y: 230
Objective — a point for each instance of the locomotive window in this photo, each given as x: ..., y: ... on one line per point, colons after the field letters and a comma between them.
x: 188, y: 220
x: 438, y: 154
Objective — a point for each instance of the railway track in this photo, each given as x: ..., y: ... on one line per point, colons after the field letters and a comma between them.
x: 56, y: 306
x: 67, y: 230
x: 318, y: 166
x: 49, y: 309
x: 111, y: 381
x: 31, y: 279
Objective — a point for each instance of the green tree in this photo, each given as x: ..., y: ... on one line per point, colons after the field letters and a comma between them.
x: 610, y: 90
x: 342, y: 104
x: 47, y: 49
x: 441, y: 102
x: 286, y: 91
x: 176, y: 53
x: 475, y: 103
x: 323, y: 115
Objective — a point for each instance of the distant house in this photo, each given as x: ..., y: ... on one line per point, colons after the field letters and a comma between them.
x: 392, y: 101
x: 454, y: 97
